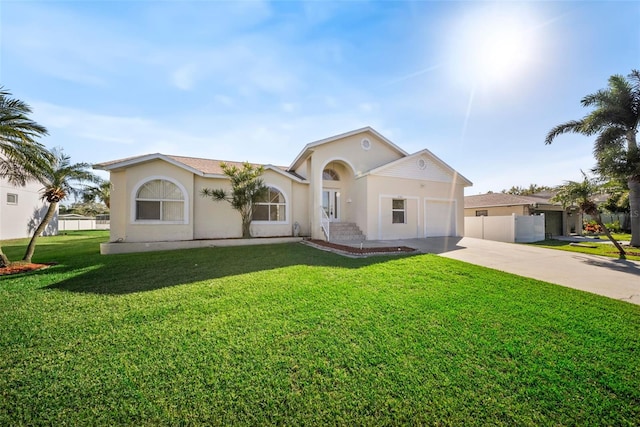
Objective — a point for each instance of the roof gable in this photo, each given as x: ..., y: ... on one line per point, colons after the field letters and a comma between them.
x: 423, y: 165
x: 308, y: 149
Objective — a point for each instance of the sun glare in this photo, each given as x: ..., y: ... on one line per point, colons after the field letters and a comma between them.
x: 493, y: 47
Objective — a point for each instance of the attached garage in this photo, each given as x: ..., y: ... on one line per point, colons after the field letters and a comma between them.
x: 440, y: 218
x: 553, y: 223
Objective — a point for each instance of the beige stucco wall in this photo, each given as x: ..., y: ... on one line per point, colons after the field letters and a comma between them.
x: 207, y: 219
x: 118, y: 206
x: 125, y: 227
x: 380, y: 192
x: 217, y: 219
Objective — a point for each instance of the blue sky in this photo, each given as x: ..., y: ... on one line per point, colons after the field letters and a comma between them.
x: 477, y: 83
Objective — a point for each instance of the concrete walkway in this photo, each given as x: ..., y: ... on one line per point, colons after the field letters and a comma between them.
x: 611, y: 277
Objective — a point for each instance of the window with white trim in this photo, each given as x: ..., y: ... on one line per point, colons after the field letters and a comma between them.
x: 330, y: 175
x: 159, y: 200
x: 398, y: 211
x: 12, y: 199
x: 271, y: 207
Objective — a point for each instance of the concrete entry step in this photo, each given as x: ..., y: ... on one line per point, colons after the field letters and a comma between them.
x: 340, y: 231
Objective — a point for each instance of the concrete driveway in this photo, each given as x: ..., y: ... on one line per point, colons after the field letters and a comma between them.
x: 610, y: 277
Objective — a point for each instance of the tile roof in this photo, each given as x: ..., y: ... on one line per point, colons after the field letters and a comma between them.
x: 212, y: 166
x: 205, y: 166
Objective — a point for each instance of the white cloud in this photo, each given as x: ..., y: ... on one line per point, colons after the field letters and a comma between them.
x: 184, y: 77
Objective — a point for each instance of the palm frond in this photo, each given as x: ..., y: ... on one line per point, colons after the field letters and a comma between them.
x: 573, y: 126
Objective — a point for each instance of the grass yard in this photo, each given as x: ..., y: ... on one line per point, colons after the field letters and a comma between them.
x: 602, y: 249
x: 287, y: 334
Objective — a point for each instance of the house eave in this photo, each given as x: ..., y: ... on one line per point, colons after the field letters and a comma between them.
x: 144, y: 159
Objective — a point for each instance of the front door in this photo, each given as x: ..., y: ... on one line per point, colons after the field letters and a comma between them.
x: 331, y: 204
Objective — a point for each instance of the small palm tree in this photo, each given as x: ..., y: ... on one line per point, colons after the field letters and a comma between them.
x: 60, y: 179
x: 246, y: 188
x: 21, y: 156
x: 615, y: 120
x: 582, y: 193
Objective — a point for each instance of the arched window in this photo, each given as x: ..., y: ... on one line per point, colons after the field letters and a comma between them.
x: 159, y: 200
x: 330, y: 175
x: 271, y: 207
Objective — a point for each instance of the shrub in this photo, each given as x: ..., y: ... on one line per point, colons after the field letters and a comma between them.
x: 591, y: 227
x: 614, y: 226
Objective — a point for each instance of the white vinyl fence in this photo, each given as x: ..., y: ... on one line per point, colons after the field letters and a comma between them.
x: 82, y: 224
x: 513, y: 228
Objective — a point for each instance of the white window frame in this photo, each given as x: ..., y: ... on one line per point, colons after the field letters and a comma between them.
x: 15, y: 198
x: 134, y: 199
x: 334, y: 176
x: 285, y: 204
x: 403, y: 210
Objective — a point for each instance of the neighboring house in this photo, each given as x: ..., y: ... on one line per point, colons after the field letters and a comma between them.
x: 558, y: 220
x: 358, y: 177
x: 21, y: 211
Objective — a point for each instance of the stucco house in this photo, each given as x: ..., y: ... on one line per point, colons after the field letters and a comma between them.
x: 559, y: 221
x: 22, y: 210
x: 358, y: 178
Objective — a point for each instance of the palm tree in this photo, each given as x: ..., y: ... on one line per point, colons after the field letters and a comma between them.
x: 21, y: 156
x: 581, y: 193
x: 246, y: 189
x: 60, y: 179
x: 100, y: 192
x: 615, y: 120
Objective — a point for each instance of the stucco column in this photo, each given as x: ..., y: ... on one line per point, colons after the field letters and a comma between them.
x: 316, y: 200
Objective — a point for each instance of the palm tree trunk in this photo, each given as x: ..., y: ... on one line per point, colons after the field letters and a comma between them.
x: 634, y: 209
x: 634, y: 189
x: 45, y: 221
x: 4, y: 261
x: 246, y: 228
x: 610, y: 237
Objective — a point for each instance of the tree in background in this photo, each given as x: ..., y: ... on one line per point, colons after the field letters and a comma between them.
x: 246, y: 188
x: 21, y: 156
x: 615, y: 120
x: 60, y: 179
x: 582, y: 194
x: 533, y: 189
x: 618, y: 201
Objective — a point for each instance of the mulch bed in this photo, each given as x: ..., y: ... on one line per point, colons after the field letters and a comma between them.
x: 363, y: 251
x: 22, y: 267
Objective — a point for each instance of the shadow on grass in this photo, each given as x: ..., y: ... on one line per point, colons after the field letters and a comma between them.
x: 140, y: 272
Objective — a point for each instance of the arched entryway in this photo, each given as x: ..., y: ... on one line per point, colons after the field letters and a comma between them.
x: 331, y: 193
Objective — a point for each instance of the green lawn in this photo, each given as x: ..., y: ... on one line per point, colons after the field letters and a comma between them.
x: 287, y: 334
x: 586, y: 247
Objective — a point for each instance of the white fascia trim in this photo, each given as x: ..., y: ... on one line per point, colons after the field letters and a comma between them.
x: 147, y: 158
x: 266, y: 167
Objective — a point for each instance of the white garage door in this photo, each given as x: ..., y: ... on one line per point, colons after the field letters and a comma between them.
x: 440, y: 218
